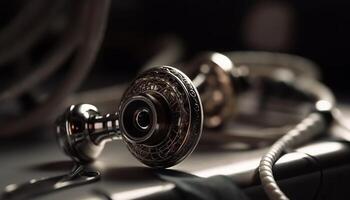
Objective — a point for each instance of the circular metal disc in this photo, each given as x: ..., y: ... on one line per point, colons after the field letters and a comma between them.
x: 186, y: 116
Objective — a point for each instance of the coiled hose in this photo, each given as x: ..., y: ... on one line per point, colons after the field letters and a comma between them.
x: 311, y: 126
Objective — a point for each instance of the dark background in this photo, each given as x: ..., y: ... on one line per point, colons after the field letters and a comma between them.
x: 137, y: 30
x: 318, y: 30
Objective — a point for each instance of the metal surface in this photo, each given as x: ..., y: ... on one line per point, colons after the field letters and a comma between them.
x: 35, y: 187
x: 161, y: 120
x: 165, y: 87
x: 123, y: 177
x: 81, y: 131
x: 171, y: 106
x: 216, y: 80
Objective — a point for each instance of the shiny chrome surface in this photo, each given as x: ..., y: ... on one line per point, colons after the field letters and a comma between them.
x: 123, y: 175
x: 177, y: 117
x: 160, y: 116
x: 218, y: 82
x: 160, y: 119
x: 214, y: 76
x: 157, y: 113
x: 81, y: 131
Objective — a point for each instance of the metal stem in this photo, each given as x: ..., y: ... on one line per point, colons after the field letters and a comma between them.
x: 104, y: 128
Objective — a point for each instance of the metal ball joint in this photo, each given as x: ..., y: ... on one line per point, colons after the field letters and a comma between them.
x: 160, y: 117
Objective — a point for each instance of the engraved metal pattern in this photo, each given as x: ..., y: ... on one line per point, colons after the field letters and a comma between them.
x: 186, y: 116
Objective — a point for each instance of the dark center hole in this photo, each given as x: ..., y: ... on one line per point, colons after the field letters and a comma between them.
x: 143, y: 118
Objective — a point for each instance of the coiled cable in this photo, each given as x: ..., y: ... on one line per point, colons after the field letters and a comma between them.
x: 314, y: 124
x: 305, y: 130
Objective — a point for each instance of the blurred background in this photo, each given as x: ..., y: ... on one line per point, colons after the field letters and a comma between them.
x: 54, y: 53
x: 48, y: 48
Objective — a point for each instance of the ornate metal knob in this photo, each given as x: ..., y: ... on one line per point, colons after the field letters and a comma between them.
x: 160, y: 119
